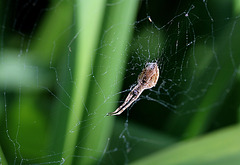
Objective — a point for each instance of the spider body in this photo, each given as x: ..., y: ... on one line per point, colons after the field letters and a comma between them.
x: 149, y: 76
x: 147, y: 79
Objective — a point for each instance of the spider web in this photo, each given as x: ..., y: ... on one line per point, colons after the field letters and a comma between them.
x: 194, y: 43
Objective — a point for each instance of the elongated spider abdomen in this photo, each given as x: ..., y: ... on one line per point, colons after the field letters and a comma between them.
x: 147, y: 79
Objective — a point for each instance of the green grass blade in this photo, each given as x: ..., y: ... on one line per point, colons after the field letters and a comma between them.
x: 52, y: 34
x: 236, y: 6
x: 89, y: 21
x: 2, y: 157
x: 220, y: 147
x: 223, y: 80
x: 101, y: 94
x: 238, y: 81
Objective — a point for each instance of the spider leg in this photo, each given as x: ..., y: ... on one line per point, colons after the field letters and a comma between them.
x: 132, y: 97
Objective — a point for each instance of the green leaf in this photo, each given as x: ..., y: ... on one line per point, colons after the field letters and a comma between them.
x: 220, y: 147
x: 2, y: 157
x: 89, y: 26
x: 106, y: 71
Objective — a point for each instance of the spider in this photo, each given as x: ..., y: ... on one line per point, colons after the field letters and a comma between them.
x: 146, y: 79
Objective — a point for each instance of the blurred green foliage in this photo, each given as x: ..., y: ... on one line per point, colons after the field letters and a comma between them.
x: 62, y: 64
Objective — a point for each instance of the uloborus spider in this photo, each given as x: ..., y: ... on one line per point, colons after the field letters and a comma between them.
x: 147, y: 79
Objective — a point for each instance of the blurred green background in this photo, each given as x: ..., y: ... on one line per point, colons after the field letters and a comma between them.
x: 65, y: 64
